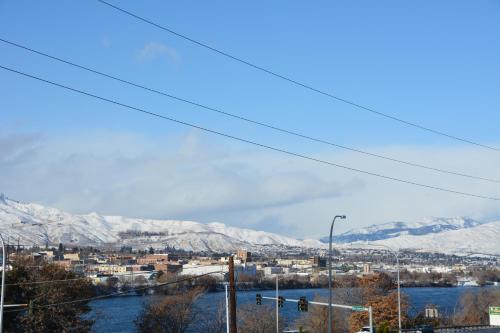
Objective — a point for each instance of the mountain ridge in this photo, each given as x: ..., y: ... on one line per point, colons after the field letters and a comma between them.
x: 39, y: 225
x: 34, y: 224
x: 395, y: 229
x: 481, y: 239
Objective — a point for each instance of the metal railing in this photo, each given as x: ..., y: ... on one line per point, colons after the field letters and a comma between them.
x: 447, y: 329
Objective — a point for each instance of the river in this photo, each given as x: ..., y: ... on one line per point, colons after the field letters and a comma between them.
x: 117, y: 314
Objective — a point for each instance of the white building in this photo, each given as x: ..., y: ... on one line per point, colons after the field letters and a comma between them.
x: 194, y: 269
x: 273, y: 270
x: 245, y: 269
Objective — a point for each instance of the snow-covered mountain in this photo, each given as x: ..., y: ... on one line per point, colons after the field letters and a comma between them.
x: 446, y: 235
x: 484, y: 238
x: 36, y: 224
x: 396, y: 229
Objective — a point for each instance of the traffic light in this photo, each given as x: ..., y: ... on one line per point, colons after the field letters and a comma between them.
x: 302, y: 305
x: 258, y: 299
x: 281, y: 301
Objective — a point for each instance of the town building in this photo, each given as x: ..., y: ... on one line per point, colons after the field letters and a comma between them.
x: 244, y: 255
x: 319, y: 261
x: 152, y: 259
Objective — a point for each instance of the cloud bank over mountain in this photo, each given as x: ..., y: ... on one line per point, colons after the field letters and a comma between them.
x: 197, y: 177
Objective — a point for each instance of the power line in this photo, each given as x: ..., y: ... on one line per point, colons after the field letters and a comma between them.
x: 298, y: 83
x: 88, y: 299
x: 205, y: 129
x: 255, y: 122
x: 45, y: 282
x: 126, y: 275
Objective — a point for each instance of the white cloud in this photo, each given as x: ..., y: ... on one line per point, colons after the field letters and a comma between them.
x: 155, y: 50
x: 125, y: 174
x: 106, y: 42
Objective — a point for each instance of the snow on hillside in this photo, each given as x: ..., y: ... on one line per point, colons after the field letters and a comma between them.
x: 36, y: 224
x: 397, y: 229
x: 484, y: 238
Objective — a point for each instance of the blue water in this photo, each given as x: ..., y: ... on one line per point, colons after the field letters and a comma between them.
x: 117, y: 314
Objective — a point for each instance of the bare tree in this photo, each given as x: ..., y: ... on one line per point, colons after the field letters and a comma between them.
x: 171, y: 314
x: 257, y: 319
x: 473, y: 307
x: 213, y: 322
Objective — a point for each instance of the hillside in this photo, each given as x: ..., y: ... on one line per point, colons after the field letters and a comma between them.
x: 447, y: 235
x: 484, y: 238
x: 396, y: 229
x: 36, y: 224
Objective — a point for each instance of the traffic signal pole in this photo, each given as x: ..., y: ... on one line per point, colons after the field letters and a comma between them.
x: 342, y: 306
x: 370, y: 315
x: 232, y: 297
x: 349, y: 307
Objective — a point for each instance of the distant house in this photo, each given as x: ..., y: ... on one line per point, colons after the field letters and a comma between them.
x: 244, y: 255
x: 245, y: 270
x: 168, y: 267
x: 111, y: 269
x: 273, y: 270
x: 194, y: 269
x: 467, y: 283
x: 319, y: 261
x: 47, y: 255
x: 71, y: 256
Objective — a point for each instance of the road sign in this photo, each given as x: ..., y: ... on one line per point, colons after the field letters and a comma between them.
x: 494, y: 315
x: 358, y: 308
x: 495, y: 310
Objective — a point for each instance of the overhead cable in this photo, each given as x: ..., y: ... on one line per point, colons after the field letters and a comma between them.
x: 88, y: 299
x: 255, y: 122
x: 300, y: 84
x: 284, y: 151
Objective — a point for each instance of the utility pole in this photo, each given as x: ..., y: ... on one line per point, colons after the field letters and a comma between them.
x: 370, y: 318
x: 227, y: 310
x: 277, y: 307
x: 232, y: 296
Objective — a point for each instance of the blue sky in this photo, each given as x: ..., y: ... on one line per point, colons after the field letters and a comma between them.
x: 437, y: 64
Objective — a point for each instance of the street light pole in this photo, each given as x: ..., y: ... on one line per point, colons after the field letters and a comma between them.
x: 3, y: 284
x: 330, y: 274
x: 399, y: 294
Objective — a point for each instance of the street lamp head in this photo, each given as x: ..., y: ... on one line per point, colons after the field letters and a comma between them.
x: 342, y: 217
